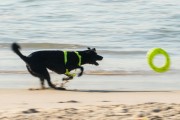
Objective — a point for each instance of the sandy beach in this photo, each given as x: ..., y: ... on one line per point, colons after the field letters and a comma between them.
x: 21, y: 104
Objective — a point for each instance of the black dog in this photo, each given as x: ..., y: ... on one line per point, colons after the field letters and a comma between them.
x: 61, y: 62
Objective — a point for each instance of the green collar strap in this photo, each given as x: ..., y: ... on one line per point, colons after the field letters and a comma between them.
x: 79, y: 56
x: 65, y: 57
x: 65, y: 61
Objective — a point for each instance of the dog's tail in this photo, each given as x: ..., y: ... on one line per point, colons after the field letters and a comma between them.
x: 15, y: 47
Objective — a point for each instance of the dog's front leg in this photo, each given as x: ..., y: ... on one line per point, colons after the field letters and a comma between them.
x: 82, y: 70
x: 65, y: 80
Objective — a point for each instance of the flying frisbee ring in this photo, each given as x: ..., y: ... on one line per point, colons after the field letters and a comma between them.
x: 150, y: 57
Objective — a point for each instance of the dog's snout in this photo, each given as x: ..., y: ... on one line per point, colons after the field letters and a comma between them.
x: 100, y: 57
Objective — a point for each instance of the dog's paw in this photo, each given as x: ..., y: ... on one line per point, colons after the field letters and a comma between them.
x: 80, y: 74
x: 67, y: 78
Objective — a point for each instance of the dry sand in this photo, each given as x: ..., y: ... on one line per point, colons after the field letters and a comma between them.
x: 89, y: 105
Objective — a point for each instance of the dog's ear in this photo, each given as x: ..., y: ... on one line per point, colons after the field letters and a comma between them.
x: 94, y: 49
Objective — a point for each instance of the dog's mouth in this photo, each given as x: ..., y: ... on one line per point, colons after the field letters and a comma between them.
x: 98, y: 58
x: 96, y: 63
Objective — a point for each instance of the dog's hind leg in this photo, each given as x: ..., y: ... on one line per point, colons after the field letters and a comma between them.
x: 42, y: 83
x: 42, y: 74
x: 36, y: 75
x: 47, y: 77
x: 35, y: 72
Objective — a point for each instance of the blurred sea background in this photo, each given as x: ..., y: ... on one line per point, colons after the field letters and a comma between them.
x: 122, y: 31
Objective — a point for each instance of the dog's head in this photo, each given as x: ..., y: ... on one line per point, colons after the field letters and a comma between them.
x: 92, y: 57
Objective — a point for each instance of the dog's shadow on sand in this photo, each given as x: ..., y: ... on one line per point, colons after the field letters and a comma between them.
x: 116, y: 91
x: 103, y: 91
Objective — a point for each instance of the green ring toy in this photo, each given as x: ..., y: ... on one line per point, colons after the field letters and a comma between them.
x: 150, y: 57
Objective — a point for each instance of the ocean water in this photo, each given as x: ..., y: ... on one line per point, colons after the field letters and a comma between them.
x: 122, y: 31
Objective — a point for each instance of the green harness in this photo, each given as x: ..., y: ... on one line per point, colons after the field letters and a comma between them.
x: 65, y: 61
